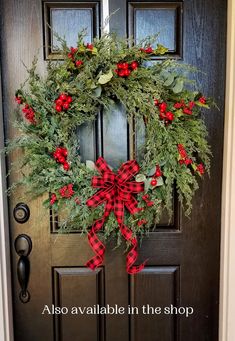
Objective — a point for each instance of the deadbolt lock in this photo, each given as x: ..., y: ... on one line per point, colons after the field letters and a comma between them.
x: 21, y: 213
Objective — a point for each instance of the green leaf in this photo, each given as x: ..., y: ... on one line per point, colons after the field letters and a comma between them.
x: 160, y: 181
x: 199, y: 104
x: 106, y: 77
x: 152, y: 171
x: 170, y: 79
x: 165, y: 74
x: 90, y: 164
x: 179, y: 85
x: 147, y: 185
x: 140, y: 178
x: 97, y: 91
x: 94, y: 51
x: 161, y: 49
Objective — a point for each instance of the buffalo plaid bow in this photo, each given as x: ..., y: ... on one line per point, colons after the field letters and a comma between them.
x: 116, y: 191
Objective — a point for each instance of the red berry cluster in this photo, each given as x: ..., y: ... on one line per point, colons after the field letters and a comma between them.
x: 165, y: 114
x: 71, y: 55
x: 200, y: 168
x: 183, y: 156
x: 124, y: 69
x: 63, y: 102
x: 187, y: 108
x: 60, y: 155
x: 147, y: 50
x: 72, y: 52
x: 67, y: 191
x: 142, y: 222
x: 89, y: 46
x: 158, y: 174
x: 29, y: 114
x: 202, y: 100
x: 149, y: 203
x: 53, y: 199
x: 19, y: 99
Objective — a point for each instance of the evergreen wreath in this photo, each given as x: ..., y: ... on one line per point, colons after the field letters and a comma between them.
x: 92, y: 77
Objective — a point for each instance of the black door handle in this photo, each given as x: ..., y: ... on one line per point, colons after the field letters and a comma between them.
x: 23, y: 247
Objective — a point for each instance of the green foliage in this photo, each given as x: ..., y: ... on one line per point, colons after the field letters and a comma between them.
x: 93, y: 83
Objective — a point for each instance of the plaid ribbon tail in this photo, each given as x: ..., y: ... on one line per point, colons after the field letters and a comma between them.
x: 96, y: 245
x: 132, y: 254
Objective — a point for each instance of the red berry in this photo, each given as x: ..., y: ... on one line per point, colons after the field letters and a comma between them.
x: 69, y: 99
x: 53, y: 199
x: 134, y: 65
x: 170, y: 116
x: 73, y: 49
x: 163, y: 106
x: 66, y: 166
x: 187, y: 111
x: 66, y: 106
x: 90, y: 46
x: 202, y: 100
x: 150, y: 203
x: 63, y: 97
x: 18, y: 100
x: 127, y: 72
x: 79, y: 63
x: 178, y: 105
x: 145, y: 197
x: 120, y: 66
x: 125, y: 66
x: 64, y: 151
x: 59, y: 101
x: 142, y: 222
x: 61, y: 159
x: 153, y: 182
x: 188, y: 162
x: 191, y: 105
x: 70, y: 55
x: 158, y: 172
x: 200, y: 169
x: 149, y: 49
x: 58, y: 108
x: 121, y: 73
x: 156, y: 102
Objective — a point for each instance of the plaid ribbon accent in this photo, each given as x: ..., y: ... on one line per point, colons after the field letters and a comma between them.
x: 116, y: 191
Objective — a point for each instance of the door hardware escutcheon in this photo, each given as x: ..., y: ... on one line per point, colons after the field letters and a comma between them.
x: 23, y: 247
x: 21, y: 213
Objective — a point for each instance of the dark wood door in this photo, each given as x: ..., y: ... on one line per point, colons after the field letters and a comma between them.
x: 183, y: 266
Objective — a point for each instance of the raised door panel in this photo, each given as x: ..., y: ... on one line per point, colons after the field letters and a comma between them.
x: 76, y: 289
x: 155, y: 293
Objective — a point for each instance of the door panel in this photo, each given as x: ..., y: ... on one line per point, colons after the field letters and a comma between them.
x: 183, y: 266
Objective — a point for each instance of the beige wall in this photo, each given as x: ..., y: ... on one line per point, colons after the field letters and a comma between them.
x: 227, y: 279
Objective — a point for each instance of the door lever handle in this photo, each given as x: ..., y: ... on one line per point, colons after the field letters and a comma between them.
x: 23, y: 247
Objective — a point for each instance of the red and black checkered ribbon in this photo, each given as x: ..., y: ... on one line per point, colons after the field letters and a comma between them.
x: 117, y: 192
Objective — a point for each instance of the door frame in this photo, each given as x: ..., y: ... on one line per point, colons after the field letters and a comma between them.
x: 227, y: 275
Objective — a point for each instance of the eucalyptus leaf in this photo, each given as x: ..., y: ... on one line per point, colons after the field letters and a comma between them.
x: 179, y: 85
x: 140, y: 178
x: 152, y: 171
x: 90, y: 165
x: 97, y: 91
x: 105, y: 78
x: 170, y: 79
x: 147, y: 185
x: 160, y: 181
x: 165, y: 74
